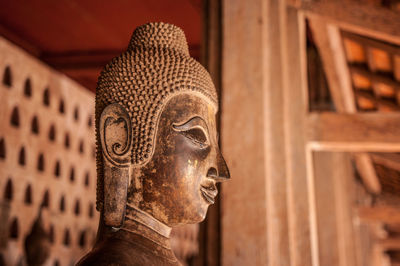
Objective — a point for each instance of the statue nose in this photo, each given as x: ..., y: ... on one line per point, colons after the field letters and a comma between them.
x: 222, y: 174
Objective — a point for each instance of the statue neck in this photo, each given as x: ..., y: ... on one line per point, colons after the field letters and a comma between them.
x: 141, y: 235
x: 143, y: 224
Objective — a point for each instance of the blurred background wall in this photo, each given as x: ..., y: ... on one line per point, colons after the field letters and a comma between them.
x: 47, y: 163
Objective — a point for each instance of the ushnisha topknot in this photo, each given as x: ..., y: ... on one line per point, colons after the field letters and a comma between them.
x: 156, y: 67
x: 161, y: 35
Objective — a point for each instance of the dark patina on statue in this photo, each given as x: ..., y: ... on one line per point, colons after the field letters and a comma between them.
x: 158, y: 159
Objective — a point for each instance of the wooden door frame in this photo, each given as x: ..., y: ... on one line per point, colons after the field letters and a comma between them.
x: 290, y: 203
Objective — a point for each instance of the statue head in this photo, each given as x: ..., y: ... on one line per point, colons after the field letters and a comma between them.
x: 157, y: 143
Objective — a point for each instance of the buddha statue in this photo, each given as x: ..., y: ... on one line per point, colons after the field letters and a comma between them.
x: 158, y: 159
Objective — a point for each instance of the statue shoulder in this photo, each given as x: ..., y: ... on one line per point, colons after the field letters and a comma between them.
x: 118, y: 253
x: 103, y: 258
x: 108, y: 255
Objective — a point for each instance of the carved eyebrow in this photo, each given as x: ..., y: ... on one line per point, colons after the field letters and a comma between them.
x: 196, y: 121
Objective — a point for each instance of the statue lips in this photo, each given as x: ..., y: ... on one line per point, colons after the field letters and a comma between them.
x: 209, y: 193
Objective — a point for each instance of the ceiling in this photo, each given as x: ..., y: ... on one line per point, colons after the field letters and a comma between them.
x: 78, y: 37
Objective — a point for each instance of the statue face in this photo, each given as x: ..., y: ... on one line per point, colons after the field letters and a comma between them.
x: 179, y: 182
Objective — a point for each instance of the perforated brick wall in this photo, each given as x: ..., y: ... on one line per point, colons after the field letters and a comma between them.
x: 46, y: 157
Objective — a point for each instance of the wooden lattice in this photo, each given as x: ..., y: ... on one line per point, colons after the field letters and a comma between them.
x: 375, y: 71
x: 46, y: 157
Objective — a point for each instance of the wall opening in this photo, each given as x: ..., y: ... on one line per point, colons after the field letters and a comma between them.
x: 90, y: 122
x: 62, y: 204
x: 7, y: 77
x: 81, y: 147
x: 72, y: 174
x: 46, y: 199
x: 28, y: 195
x: 57, y: 169
x: 21, y: 157
x: 61, y: 107
x: 2, y: 149
x: 14, y: 121
x: 35, y: 125
x: 82, y: 239
x: 51, y: 233
x: 76, y: 113
x: 14, y: 229
x: 52, y: 133
x: 66, y: 141
x: 67, y: 237
x: 8, y: 192
x: 28, y: 88
x: 40, y: 164
x: 46, y: 97
x: 77, y: 209
x: 91, y: 211
x: 87, y: 179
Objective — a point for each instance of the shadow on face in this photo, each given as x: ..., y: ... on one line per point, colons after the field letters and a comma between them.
x: 179, y: 182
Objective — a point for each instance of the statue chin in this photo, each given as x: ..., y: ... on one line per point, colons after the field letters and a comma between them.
x: 158, y: 156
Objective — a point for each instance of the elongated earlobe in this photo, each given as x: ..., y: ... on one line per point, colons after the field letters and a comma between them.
x: 116, y: 137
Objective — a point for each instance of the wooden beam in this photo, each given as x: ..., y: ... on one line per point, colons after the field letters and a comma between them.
x: 390, y: 160
x: 333, y: 199
x: 326, y: 215
x: 375, y: 22
x: 393, y: 49
x: 381, y: 249
x: 382, y: 214
x: 92, y: 73
x: 11, y: 34
x: 77, y: 60
x: 367, y: 172
x: 328, y: 41
x: 375, y: 77
x: 295, y: 105
x: 354, y: 132
x: 389, y: 243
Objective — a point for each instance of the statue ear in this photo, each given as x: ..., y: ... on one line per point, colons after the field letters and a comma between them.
x: 115, y: 136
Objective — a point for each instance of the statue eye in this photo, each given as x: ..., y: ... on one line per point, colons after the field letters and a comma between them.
x: 197, y: 136
x: 194, y: 130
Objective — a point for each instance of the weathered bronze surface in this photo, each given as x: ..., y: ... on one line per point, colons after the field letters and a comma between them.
x: 158, y: 159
